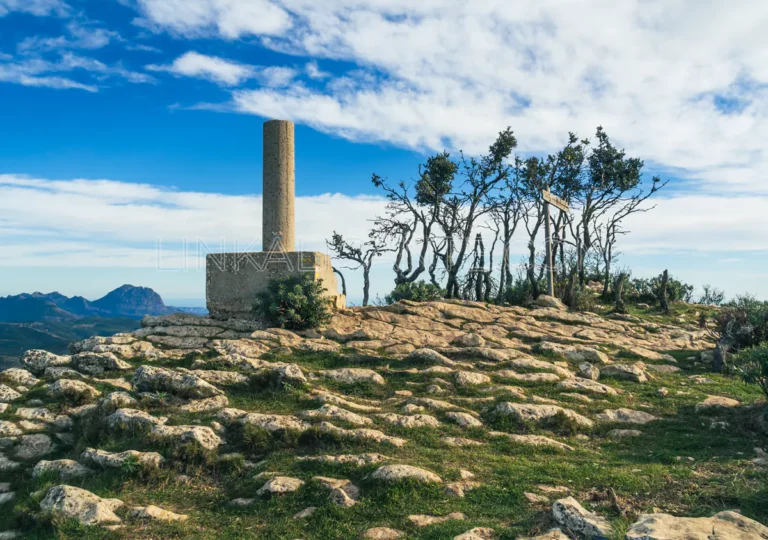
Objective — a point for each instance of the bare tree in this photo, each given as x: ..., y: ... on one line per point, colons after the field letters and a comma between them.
x: 362, y: 256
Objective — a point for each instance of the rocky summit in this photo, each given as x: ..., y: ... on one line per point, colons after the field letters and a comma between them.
x: 444, y: 419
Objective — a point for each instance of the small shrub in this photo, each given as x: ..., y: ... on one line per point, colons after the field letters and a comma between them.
x: 743, y: 323
x: 752, y: 365
x: 418, y: 291
x: 295, y: 303
x: 583, y: 300
x: 520, y: 292
x: 649, y: 290
x: 711, y: 296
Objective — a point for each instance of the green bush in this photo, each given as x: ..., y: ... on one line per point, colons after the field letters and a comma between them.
x: 742, y: 323
x: 583, y: 300
x: 295, y: 303
x: 649, y: 290
x: 520, y: 292
x: 752, y: 365
x: 418, y: 291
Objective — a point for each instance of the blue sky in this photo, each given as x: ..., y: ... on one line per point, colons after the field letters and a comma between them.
x: 130, y: 124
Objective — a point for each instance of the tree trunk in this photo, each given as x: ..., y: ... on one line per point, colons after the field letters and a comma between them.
x: 343, y: 282
x: 366, y: 283
x: 720, y: 358
x: 663, y: 294
x: 619, y: 305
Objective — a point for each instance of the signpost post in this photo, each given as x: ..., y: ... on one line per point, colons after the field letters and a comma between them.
x: 562, y: 205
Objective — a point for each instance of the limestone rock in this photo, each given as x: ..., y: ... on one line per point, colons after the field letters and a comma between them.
x: 528, y: 377
x: 421, y: 520
x: 532, y: 440
x: 38, y: 360
x: 97, y: 363
x: 8, y: 394
x: 552, y: 534
x: 202, y: 435
x: 361, y: 434
x: 625, y: 416
x: 34, y: 446
x: 18, y: 377
x: 347, y: 459
x: 133, y: 419
x: 333, y: 412
x: 478, y: 533
x: 222, y: 378
x: 84, y: 506
x: 156, y: 513
x: 622, y: 433
x: 55, y: 373
x: 150, y: 460
x: 464, y: 419
x: 538, y: 413
x: 468, y: 378
x: 354, y: 375
x: 73, y: 390
x: 715, y: 403
x: 574, y: 517
x: 429, y: 355
x: 588, y: 371
x: 550, y: 302
x: 305, y: 513
x: 9, y: 429
x: 343, y: 492
x: 270, y: 422
x: 723, y: 526
x: 412, y: 421
x: 587, y: 385
x: 624, y: 372
x: 117, y: 400
x: 383, y: 533
x: 395, y: 473
x: 279, y: 485
x: 65, y: 469
x: 468, y: 340
x: 204, y: 405
x: 153, y: 379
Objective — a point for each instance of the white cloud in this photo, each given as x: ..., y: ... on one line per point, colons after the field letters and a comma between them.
x: 38, y: 72
x: 39, y: 8
x: 226, y: 72
x: 80, y: 37
x: 683, y: 83
x: 314, y: 72
x: 228, y: 18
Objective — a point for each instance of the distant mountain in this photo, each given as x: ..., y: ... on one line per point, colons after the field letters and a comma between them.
x: 126, y: 301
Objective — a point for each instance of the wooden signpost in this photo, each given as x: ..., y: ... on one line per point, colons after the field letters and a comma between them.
x: 562, y: 205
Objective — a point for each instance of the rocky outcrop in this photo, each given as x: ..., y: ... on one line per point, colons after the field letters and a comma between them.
x: 81, y: 505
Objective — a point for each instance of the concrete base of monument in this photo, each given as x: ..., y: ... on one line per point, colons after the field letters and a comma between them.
x: 234, y: 280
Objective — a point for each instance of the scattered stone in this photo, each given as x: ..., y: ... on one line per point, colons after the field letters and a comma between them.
x: 468, y: 340
x: 715, y: 403
x: 587, y: 385
x: 37, y: 360
x: 204, y: 405
x: 336, y: 413
x: 383, y: 533
x: 18, y: 377
x: 622, y: 433
x: 343, y: 492
x: 574, y: 517
x: 662, y: 392
x: 762, y: 458
x: 133, y: 419
x: 478, y: 533
x: 361, y: 434
x: 34, y: 446
x: 204, y: 436
x: 460, y: 441
x: 550, y: 302
x: 304, y: 514
x: 9, y: 429
x: 536, y: 499
x: 624, y: 372
x: 270, y: 422
x: 532, y: 440
x: 588, y: 371
x: 81, y: 505
x: 396, y: 473
x: 150, y: 460
x: 73, y: 390
x: 117, y: 400
x: 65, y: 469
x: 347, y: 459
x: 421, y: 520
x: 154, y: 379
x: 552, y: 534
x: 97, y: 363
x: 279, y: 485
x: 156, y: 513
x: 413, y: 421
x: 464, y: 419
x: 467, y: 378
x: 538, y: 413
x: 429, y: 355
x: 723, y: 526
x: 354, y: 375
x: 625, y: 416
x: 664, y: 368
x: 8, y: 394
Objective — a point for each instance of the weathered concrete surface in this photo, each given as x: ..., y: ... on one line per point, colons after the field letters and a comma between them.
x: 278, y: 218
x: 233, y: 280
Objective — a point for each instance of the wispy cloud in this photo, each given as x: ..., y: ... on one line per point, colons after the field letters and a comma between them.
x: 226, y: 72
x: 40, y: 8
x: 80, y: 36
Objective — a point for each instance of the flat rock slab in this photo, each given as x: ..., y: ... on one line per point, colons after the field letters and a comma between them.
x: 625, y: 416
x: 383, y: 533
x: 354, y: 375
x: 279, y: 485
x: 574, y: 517
x: 723, y: 526
x: 421, y: 520
x: 81, y: 505
x: 538, y: 413
x: 395, y: 473
x: 716, y: 403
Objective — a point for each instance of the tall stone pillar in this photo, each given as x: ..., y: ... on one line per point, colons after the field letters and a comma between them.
x: 278, y: 218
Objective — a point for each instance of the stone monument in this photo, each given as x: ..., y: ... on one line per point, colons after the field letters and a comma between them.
x: 233, y: 280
